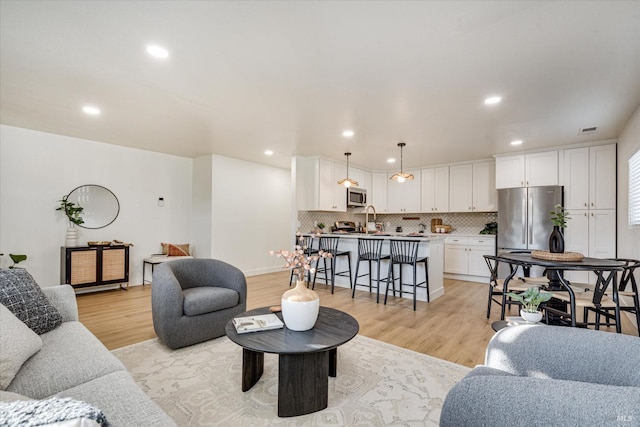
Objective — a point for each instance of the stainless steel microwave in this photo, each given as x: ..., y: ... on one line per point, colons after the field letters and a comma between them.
x: 356, y: 197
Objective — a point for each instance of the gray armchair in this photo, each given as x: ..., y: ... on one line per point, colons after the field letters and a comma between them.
x: 550, y: 375
x: 193, y: 299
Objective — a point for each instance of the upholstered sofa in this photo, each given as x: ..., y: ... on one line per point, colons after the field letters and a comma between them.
x: 550, y: 375
x: 193, y: 299
x: 66, y: 362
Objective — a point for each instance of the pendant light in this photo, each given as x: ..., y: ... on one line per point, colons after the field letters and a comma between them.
x: 402, y: 176
x: 348, y: 182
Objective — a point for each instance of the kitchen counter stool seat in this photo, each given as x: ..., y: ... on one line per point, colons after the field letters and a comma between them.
x: 329, y: 244
x: 370, y: 251
x: 405, y: 252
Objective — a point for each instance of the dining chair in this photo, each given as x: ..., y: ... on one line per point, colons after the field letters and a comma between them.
x: 627, y: 278
x: 497, y: 289
x: 601, y: 297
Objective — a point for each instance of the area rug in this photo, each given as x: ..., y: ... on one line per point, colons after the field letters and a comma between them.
x: 378, y: 384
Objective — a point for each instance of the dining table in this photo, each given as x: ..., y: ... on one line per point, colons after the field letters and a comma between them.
x: 605, y: 270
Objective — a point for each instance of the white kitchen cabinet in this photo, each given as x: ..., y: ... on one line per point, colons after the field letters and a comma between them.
x: 363, y: 178
x: 435, y: 189
x: 378, y: 194
x: 527, y: 170
x: 590, y: 177
x: 465, y: 255
x: 331, y: 196
x: 593, y: 234
x: 472, y: 187
x: 456, y: 258
x: 404, y: 197
x: 317, y: 186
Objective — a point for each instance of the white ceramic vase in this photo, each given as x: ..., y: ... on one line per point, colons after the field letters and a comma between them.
x: 531, y: 317
x: 71, y: 238
x: 300, y: 307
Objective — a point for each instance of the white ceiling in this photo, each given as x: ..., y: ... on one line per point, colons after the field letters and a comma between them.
x: 290, y: 76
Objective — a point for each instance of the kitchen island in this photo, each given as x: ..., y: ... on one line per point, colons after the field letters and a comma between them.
x: 430, y: 246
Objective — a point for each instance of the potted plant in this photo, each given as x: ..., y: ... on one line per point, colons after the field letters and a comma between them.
x: 16, y: 259
x: 321, y: 226
x: 530, y: 300
x: 72, y: 211
x: 559, y: 219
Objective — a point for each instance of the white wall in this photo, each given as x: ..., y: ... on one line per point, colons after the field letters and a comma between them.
x: 251, y: 214
x: 37, y: 169
x: 628, y: 143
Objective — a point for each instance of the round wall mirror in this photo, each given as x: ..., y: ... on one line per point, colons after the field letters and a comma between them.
x: 100, y: 205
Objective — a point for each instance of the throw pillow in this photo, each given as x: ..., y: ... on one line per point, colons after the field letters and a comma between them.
x: 17, y: 344
x: 22, y: 295
x: 54, y: 411
x: 171, y: 249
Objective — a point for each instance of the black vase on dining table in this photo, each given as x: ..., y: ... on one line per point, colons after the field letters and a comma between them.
x: 556, y: 241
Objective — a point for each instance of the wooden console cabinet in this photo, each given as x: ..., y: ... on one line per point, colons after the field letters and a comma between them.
x: 84, y: 266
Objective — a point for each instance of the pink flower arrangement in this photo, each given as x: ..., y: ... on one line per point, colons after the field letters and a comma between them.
x: 298, y: 260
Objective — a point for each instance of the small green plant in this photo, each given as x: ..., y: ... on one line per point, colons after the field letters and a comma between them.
x: 560, y: 216
x: 321, y: 225
x: 530, y: 299
x: 71, y: 210
x: 16, y: 259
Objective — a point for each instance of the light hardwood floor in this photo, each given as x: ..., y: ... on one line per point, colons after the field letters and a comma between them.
x: 453, y: 327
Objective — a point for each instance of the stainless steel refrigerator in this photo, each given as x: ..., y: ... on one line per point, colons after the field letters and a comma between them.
x: 523, y: 218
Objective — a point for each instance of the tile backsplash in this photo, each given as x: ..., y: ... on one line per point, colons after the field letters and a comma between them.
x: 470, y: 223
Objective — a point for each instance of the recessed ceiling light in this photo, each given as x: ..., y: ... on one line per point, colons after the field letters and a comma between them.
x: 348, y: 133
x: 492, y: 100
x: 391, y: 160
x: 157, y: 51
x: 94, y: 111
x: 516, y: 142
x: 268, y: 152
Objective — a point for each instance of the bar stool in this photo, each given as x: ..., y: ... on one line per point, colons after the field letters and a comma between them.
x: 330, y: 244
x: 369, y: 250
x: 306, y: 242
x: 405, y: 252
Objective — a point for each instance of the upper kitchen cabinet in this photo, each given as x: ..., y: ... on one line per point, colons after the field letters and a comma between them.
x: 362, y: 177
x: 377, y: 196
x: 331, y: 196
x: 317, y: 186
x: 590, y: 177
x: 403, y: 197
x: 527, y: 170
x: 472, y: 187
x: 435, y: 189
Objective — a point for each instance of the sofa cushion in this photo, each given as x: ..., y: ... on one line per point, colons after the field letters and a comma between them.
x: 123, y: 402
x: 207, y: 299
x: 22, y: 295
x: 71, y: 355
x: 17, y: 344
x: 54, y: 411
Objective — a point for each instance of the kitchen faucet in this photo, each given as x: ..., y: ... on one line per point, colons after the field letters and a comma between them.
x: 366, y: 218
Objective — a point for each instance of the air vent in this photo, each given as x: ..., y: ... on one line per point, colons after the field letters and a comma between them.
x: 587, y: 131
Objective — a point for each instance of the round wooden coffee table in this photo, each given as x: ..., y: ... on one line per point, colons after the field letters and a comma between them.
x: 306, y: 359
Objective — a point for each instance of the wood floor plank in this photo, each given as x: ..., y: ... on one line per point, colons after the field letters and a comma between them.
x: 453, y: 327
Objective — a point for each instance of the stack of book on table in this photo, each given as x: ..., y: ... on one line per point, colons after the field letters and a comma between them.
x: 263, y: 322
